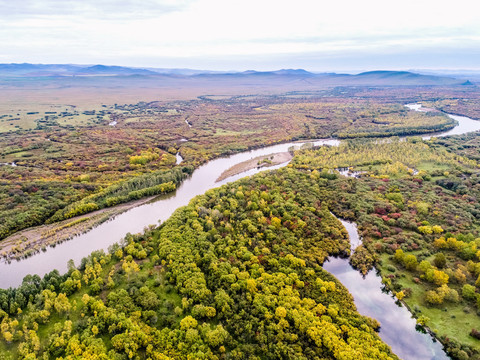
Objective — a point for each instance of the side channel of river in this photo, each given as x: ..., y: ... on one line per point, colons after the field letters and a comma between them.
x: 398, y: 327
x: 135, y: 220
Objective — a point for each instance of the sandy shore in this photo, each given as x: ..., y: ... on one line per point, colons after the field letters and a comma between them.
x: 258, y: 162
x: 32, y: 240
x: 29, y: 241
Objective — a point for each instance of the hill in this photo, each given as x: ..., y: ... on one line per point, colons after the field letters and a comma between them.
x: 371, y: 78
x: 193, y: 77
x: 41, y: 70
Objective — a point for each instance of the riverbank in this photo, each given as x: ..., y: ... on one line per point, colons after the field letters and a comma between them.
x: 138, y: 217
x: 256, y: 163
x: 371, y: 300
x: 30, y: 241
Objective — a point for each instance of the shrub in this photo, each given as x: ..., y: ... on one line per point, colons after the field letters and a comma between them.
x: 475, y: 333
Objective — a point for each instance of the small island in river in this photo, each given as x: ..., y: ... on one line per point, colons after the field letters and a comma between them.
x: 258, y: 162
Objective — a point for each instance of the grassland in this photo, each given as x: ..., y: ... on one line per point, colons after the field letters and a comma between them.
x: 440, y: 319
x: 82, y: 151
x: 75, y: 163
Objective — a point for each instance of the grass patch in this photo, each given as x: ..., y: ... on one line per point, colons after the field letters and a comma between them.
x: 447, y: 319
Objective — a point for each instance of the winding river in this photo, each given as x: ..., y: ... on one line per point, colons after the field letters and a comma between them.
x: 465, y: 124
x: 136, y: 219
x: 398, y: 327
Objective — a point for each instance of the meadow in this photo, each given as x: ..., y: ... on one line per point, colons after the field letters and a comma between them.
x: 64, y: 157
x: 237, y: 273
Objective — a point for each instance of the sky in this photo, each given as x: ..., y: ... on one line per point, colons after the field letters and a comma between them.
x: 317, y: 35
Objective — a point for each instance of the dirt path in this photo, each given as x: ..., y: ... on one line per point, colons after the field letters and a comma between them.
x: 258, y: 162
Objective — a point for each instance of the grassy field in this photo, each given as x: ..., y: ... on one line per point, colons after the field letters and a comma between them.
x: 441, y: 318
x: 75, y: 163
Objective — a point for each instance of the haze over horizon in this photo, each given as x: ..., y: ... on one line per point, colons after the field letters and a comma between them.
x: 346, y: 36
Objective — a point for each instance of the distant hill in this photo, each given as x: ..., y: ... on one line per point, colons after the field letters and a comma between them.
x: 406, y: 77
x: 113, y: 70
x: 184, y: 71
x: 250, y: 77
x: 472, y: 75
x: 373, y: 78
x: 33, y: 70
x: 254, y: 73
x: 16, y: 70
x: 282, y: 72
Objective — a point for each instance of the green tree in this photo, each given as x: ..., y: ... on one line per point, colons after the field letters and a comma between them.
x: 440, y: 260
x: 468, y: 292
x: 410, y: 262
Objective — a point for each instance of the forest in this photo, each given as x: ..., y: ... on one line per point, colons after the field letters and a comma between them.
x: 237, y: 273
x: 60, y: 166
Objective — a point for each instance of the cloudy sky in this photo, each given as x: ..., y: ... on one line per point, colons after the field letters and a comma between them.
x: 316, y: 35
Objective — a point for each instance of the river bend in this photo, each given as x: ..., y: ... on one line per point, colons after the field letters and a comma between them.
x: 397, y: 325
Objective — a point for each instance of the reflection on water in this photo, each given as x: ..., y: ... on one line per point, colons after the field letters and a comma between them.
x: 136, y: 219
x: 397, y: 325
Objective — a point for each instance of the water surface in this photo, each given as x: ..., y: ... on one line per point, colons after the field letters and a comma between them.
x: 464, y: 124
x: 398, y: 327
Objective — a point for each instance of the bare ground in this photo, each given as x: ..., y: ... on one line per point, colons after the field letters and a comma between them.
x: 258, y: 162
x: 31, y: 240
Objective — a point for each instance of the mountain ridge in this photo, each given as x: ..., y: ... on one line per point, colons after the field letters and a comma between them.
x: 376, y: 77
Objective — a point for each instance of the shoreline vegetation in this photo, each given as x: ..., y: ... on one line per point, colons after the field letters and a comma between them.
x: 256, y: 163
x: 31, y: 241
x: 421, y: 231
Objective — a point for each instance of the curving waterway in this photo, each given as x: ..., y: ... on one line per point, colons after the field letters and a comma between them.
x: 464, y: 124
x: 398, y: 327
x: 136, y: 219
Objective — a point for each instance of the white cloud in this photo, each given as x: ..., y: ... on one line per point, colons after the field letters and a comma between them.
x: 91, y: 8
x: 95, y: 31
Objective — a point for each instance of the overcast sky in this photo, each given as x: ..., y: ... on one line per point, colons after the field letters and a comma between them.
x: 316, y: 35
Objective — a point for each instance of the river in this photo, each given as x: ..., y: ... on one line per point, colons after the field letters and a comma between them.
x: 136, y: 219
x: 397, y: 324
x: 465, y: 124
x: 398, y: 327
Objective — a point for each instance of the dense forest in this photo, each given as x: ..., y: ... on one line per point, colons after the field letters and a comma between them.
x: 237, y: 273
